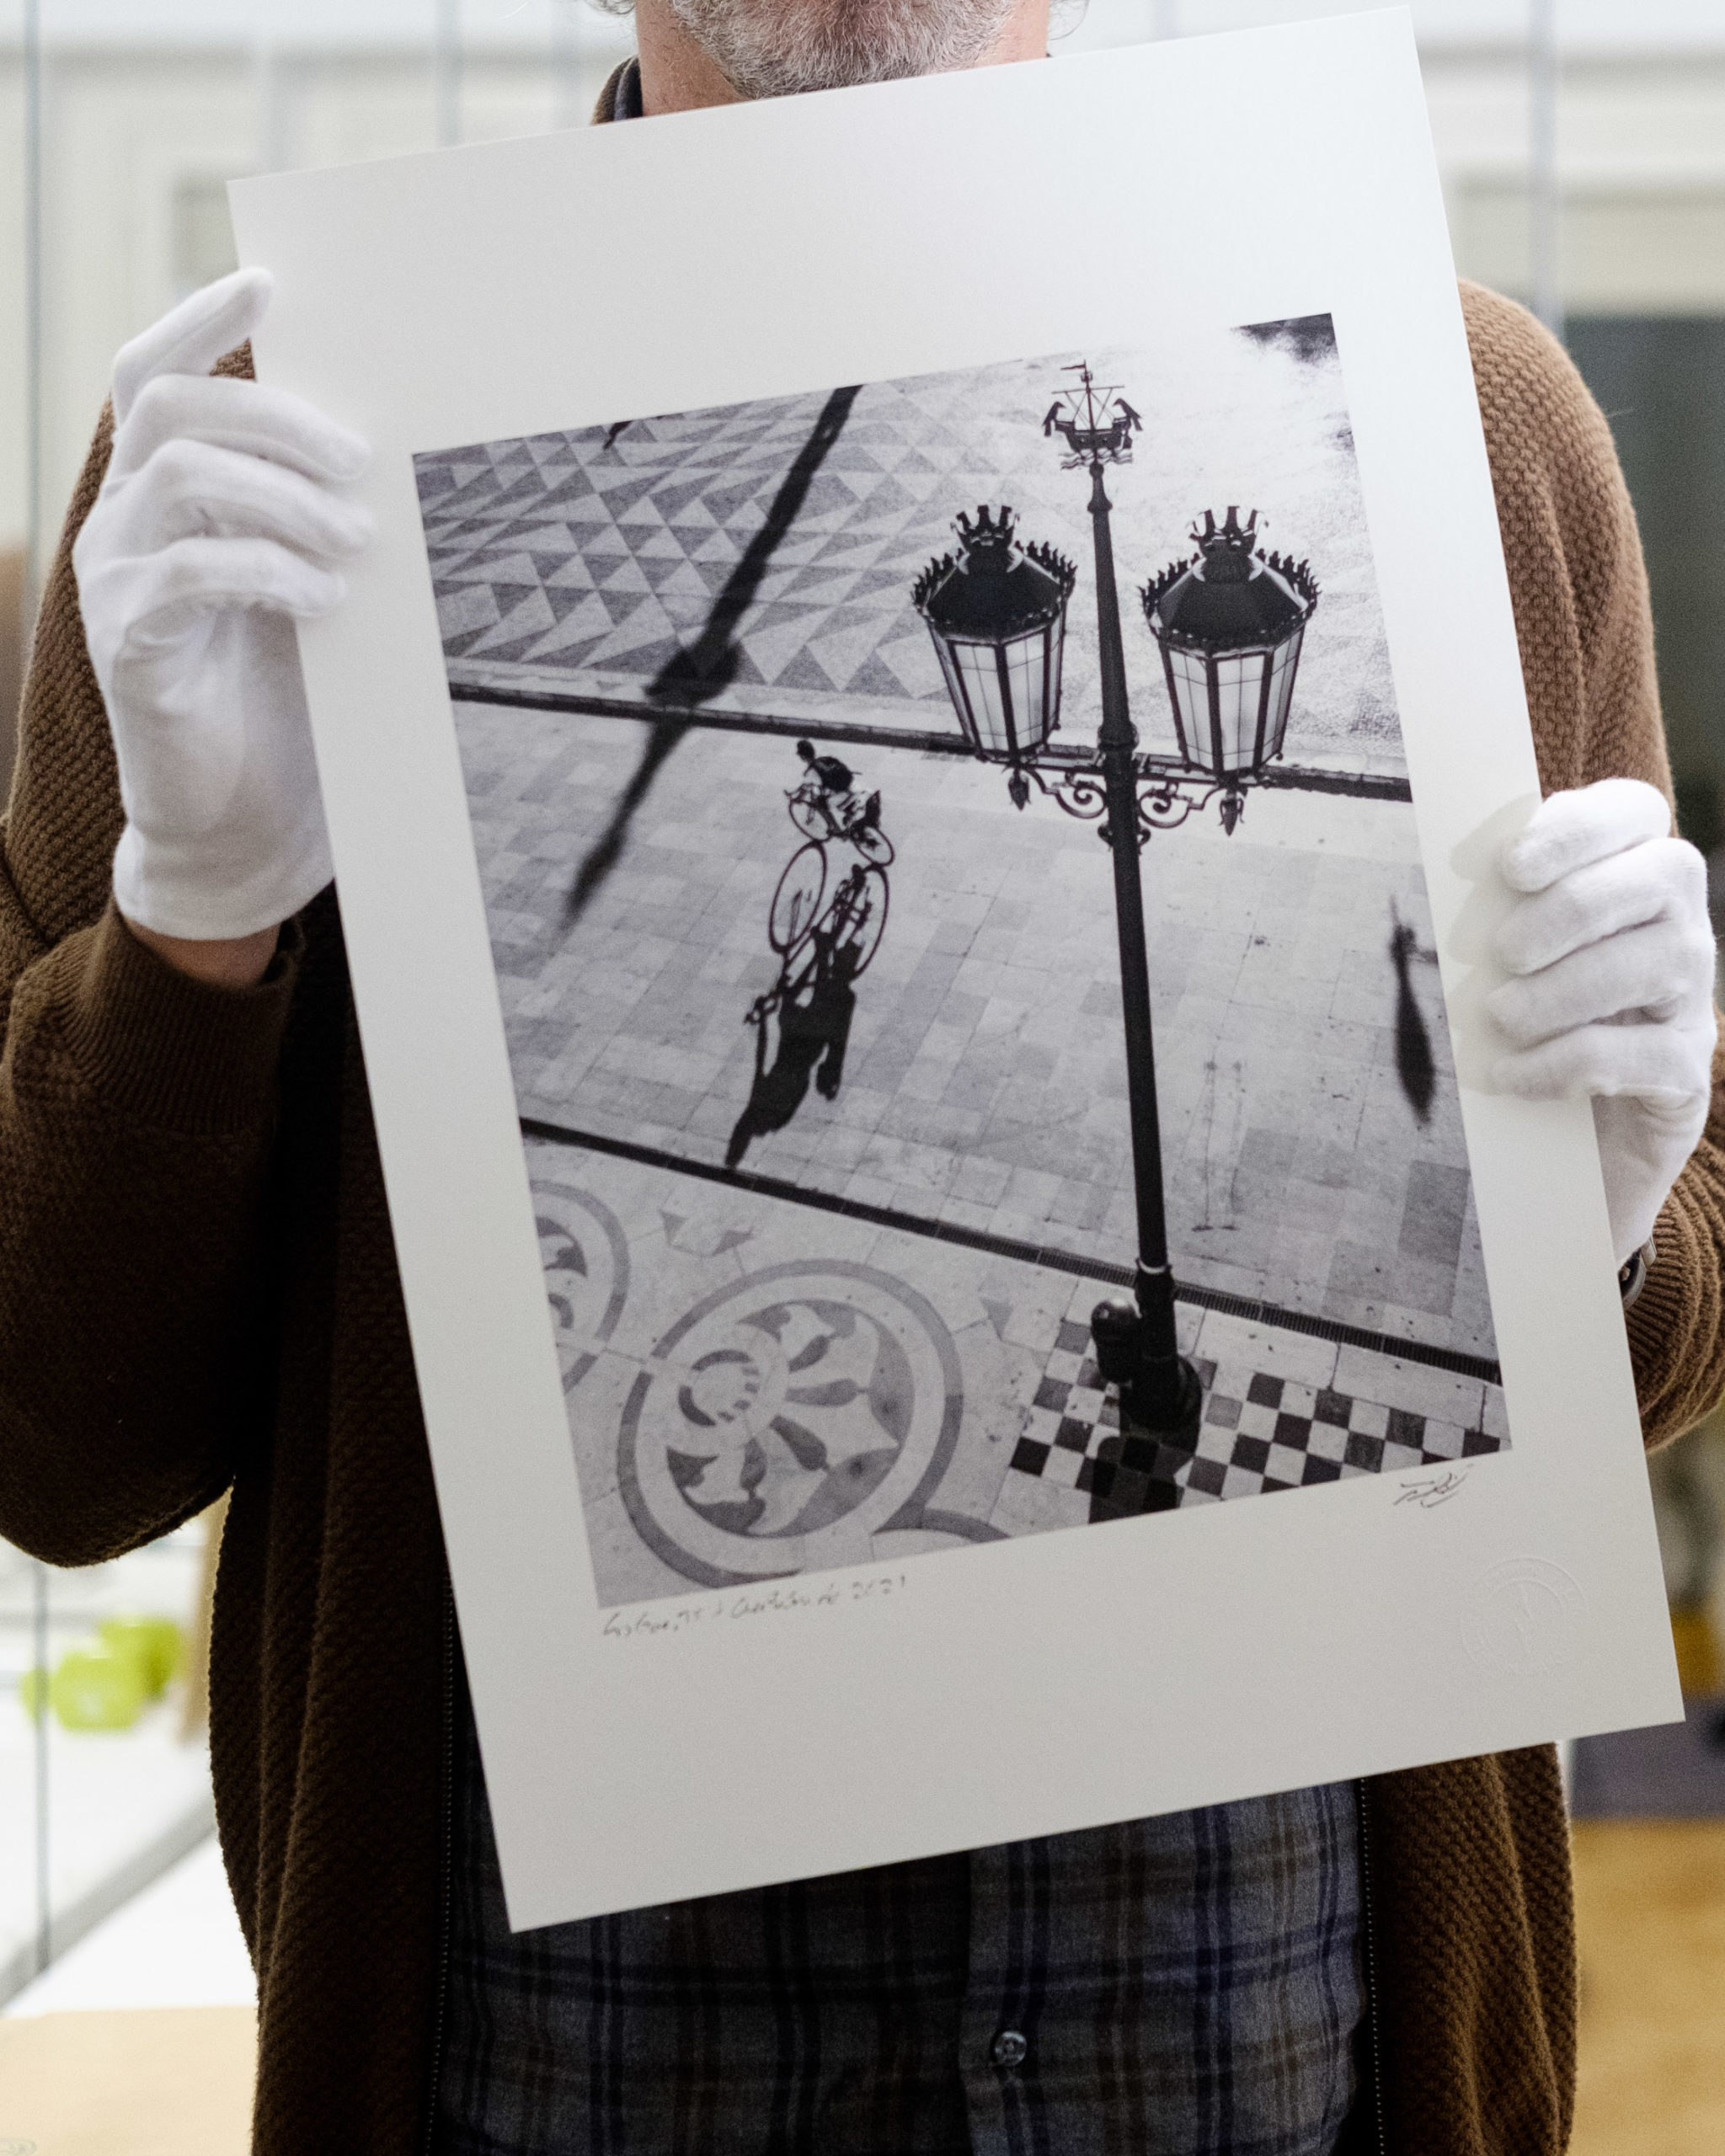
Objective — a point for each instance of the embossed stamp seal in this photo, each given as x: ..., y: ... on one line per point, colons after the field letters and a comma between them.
x: 1524, y: 1616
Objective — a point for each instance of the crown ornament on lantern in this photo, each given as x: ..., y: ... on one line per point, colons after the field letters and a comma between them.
x: 988, y: 543
x: 989, y: 533
x: 1226, y: 554
x: 1226, y: 547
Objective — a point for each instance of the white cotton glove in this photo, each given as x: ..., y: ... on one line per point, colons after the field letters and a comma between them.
x: 217, y: 527
x: 1611, y: 998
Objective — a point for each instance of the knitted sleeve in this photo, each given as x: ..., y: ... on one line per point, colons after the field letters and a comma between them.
x: 1582, y: 617
x: 137, y: 1116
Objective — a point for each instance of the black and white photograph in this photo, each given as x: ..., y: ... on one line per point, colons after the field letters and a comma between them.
x: 951, y: 875
x: 919, y: 814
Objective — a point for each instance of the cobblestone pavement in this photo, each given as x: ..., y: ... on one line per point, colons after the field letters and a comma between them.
x: 974, y: 1072
x: 756, y: 1391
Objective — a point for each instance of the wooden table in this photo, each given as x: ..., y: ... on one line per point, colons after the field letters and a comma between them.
x: 1650, y: 1906
x: 174, y: 2081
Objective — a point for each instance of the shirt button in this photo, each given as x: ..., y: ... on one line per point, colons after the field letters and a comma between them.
x: 1009, y: 2048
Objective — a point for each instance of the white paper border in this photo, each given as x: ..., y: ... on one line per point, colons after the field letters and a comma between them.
x: 1065, y: 1679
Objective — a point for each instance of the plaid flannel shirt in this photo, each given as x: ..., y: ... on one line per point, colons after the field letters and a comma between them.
x: 1186, y: 1986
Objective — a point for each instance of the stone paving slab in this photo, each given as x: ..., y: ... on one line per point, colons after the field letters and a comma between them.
x: 976, y: 1071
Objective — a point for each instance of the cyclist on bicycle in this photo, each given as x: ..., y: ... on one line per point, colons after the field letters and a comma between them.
x: 837, y: 796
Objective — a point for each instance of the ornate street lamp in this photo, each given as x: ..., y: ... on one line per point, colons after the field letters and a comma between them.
x: 997, y: 615
x: 1136, y: 1343
x: 1230, y: 622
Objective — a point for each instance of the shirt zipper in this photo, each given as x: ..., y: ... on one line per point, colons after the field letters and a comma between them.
x: 446, y: 1865
x: 1371, y: 1972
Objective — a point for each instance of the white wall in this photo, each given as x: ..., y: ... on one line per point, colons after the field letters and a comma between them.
x: 149, y: 105
x: 1609, y: 24
x: 133, y: 136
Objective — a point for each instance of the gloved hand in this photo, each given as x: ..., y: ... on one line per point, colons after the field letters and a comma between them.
x: 1611, y: 955
x: 217, y: 526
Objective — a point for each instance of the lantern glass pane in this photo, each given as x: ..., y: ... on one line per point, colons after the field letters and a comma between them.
x: 1034, y: 710
x: 1191, y: 705
x: 1004, y: 689
x: 979, y: 695
x: 1239, y: 684
x: 1281, y: 695
x: 1023, y: 668
x: 955, y: 687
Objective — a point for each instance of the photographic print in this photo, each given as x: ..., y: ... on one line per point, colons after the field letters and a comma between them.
x: 906, y: 803
x: 970, y: 990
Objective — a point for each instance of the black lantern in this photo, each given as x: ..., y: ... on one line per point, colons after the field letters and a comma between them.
x: 1231, y: 623
x: 997, y: 615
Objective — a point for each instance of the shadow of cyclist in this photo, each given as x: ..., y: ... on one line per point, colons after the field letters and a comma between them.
x: 814, y: 1015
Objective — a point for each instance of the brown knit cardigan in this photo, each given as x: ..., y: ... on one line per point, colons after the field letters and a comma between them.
x: 198, y: 1291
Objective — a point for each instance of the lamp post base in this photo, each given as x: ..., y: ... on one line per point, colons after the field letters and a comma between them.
x: 1159, y: 1392
x: 1165, y: 1402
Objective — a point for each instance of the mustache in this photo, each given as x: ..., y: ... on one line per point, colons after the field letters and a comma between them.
x: 784, y: 48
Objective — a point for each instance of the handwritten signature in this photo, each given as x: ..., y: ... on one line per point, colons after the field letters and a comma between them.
x: 768, y: 1600
x: 1432, y: 1489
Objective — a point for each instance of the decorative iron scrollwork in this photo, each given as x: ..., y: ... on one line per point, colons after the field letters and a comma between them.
x: 1079, y: 789
x: 1165, y: 799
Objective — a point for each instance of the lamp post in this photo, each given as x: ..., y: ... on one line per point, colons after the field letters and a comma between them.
x: 1229, y: 624
x: 1136, y: 1344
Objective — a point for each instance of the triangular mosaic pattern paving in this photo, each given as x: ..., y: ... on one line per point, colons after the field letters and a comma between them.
x: 582, y: 564
x: 589, y: 560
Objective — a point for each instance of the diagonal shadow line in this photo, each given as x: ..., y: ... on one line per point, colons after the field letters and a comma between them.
x: 607, y: 850
x: 709, y: 664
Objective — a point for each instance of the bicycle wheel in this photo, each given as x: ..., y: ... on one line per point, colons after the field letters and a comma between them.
x: 809, y: 818
x: 795, y: 903
x: 858, y: 920
x: 873, y: 844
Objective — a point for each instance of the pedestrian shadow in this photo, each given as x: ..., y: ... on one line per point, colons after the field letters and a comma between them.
x: 1416, y: 1065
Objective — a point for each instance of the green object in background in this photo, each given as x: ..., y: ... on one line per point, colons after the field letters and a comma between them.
x: 157, y: 1643
x: 95, y: 1687
x: 30, y: 1689
x: 107, y: 1683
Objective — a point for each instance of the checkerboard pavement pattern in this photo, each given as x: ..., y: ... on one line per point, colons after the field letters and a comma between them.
x: 1258, y: 1433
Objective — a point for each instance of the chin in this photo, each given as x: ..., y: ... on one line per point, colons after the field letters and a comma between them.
x: 780, y: 48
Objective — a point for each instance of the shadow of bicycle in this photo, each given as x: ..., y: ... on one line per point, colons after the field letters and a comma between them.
x: 824, y: 934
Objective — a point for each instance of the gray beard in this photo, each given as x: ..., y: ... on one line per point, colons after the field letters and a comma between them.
x: 780, y: 48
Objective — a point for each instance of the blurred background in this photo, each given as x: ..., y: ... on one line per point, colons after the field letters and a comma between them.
x: 1582, y: 144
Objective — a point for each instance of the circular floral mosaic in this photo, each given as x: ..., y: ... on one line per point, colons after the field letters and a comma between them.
x: 585, y: 1257
x: 787, y: 1418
